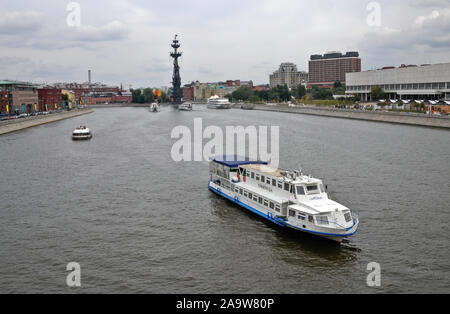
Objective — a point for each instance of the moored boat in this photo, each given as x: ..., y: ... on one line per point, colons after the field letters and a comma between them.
x: 154, y: 107
x: 215, y: 102
x: 288, y: 199
x: 81, y: 133
x: 186, y: 106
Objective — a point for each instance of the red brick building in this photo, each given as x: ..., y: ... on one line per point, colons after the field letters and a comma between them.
x: 325, y: 70
x: 188, y: 93
x: 49, y: 97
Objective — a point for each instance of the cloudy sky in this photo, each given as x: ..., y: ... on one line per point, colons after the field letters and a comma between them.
x: 127, y: 41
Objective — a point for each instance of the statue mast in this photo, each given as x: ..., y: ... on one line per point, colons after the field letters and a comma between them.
x: 177, y: 93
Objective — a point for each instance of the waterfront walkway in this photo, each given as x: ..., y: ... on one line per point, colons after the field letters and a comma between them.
x: 388, y: 117
x: 24, y: 123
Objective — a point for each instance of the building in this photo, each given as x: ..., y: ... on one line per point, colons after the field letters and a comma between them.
x: 288, y: 75
x: 49, y: 98
x: 425, y: 82
x: 260, y: 88
x: 23, y: 96
x: 188, y: 92
x: 325, y: 70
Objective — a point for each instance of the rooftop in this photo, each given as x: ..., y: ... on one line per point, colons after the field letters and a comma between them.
x: 236, y: 161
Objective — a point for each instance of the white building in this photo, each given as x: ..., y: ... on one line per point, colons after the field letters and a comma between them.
x: 426, y: 82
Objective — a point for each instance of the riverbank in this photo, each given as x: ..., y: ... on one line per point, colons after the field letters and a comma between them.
x: 25, y: 123
x: 375, y: 116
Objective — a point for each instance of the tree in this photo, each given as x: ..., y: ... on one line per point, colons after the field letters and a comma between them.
x: 148, y: 96
x: 300, y: 92
x: 242, y: 93
x: 254, y: 99
x: 377, y: 93
x: 321, y: 93
x: 136, y: 93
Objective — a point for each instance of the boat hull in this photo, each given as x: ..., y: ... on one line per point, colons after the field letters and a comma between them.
x: 82, y: 138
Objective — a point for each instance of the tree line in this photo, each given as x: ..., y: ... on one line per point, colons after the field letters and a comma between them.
x: 282, y: 93
x: 147, y: 96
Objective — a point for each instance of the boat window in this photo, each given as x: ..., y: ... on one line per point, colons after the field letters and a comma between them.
x: 250, y: 195
x: 311, y: 219
x: 312, y: 188
x: 260, y: 200
x: 280, y: 185
x: 272, y: 205
x: 322, y: 220
x: 241, y: 191
x: 274, y: 182
x: 302, y: 217
x: 257, y: 177
x: 263, y: 179
x: 286, y: 187
x: 255, y: 198
x: 278, y: 209
x: 268, y: 181
x: 322, y: 190
x: 266, y: 203
x: 237, y: 190
x: 245, y: 193
x: 291, y: 213
x: 253, y: 175
x: 300, y: 190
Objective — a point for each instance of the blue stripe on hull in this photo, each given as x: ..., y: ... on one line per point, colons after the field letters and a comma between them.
x: 247, y: 207
x: 281, y: 224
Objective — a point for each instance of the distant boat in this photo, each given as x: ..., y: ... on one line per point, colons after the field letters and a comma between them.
x: 215, y: 102
x: 154, y: 107
x: 81, y: 134
x: 187, y: 106
x: 248, y: 106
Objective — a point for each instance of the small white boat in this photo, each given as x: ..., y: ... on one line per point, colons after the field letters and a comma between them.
x: 154, y: 107
x: 288, y: 199
x: 82, y: 133
x: 215, y: 102
x: 187, y: 106
x: 248, y: 106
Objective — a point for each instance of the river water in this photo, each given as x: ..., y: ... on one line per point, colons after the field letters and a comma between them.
x: 138, y: 222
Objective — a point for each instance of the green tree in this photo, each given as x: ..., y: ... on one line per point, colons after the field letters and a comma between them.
x: 254, y: 99
x: 148, y: 96
x: 136, y: 93
x: 377, y: 93
x: 321, y: 93
x: 242, y: 93
x: 300, y: 92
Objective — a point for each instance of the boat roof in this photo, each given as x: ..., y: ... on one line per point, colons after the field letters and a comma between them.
x: 234, y: 161
x: 264, y: 169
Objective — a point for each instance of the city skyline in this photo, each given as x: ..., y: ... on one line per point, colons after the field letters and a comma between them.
x: 129, y: 42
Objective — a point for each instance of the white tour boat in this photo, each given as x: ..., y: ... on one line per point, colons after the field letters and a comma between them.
x: 186, y: 106
x: 154, y: 107
x: 288, y: 199
x: 81, y: 133
x: 215, y: 102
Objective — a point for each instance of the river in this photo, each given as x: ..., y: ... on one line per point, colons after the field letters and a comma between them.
x: 138, y: 222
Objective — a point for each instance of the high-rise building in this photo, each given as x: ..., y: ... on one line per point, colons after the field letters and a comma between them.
x: 288, y: 75
x: 325, y: 70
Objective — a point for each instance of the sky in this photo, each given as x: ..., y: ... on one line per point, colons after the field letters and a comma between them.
x: 128, y: 41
